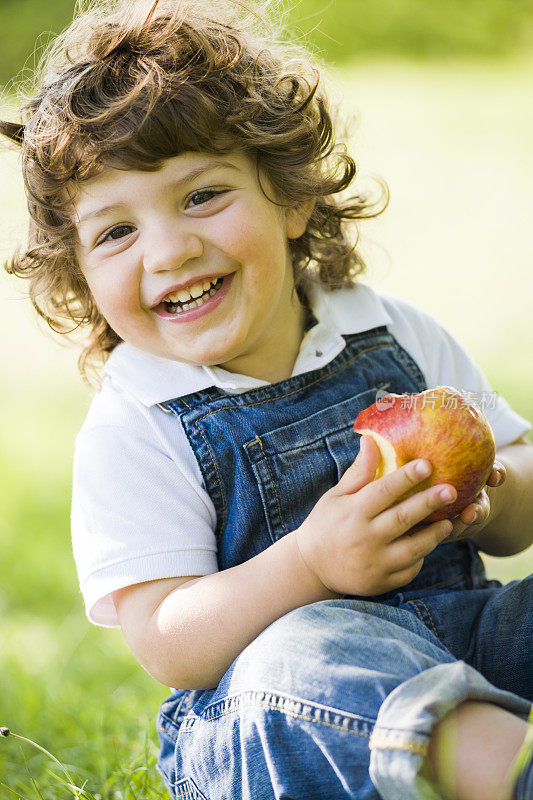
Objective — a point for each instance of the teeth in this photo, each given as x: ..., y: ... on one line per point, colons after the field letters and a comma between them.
x: 192, y: 303
x: 185, y: 295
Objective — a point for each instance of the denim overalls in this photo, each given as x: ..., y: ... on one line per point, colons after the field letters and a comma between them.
x: 336, y: 699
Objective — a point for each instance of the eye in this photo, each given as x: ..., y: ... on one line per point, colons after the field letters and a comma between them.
x: 202, y: 196
x: 118, y: 232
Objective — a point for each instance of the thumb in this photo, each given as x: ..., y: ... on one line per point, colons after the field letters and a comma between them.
x: 363, y: 469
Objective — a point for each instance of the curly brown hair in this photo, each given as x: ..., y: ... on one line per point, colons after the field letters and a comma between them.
x: 129, y: 85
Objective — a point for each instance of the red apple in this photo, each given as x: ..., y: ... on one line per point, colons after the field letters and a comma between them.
x: 440, y: 425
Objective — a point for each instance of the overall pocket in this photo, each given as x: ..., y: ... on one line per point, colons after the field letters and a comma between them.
x: 186, y: 789
x: 294, y: 465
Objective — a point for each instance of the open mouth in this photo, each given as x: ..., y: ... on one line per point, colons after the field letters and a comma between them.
x: 190, y: 309
x: 178, y: 307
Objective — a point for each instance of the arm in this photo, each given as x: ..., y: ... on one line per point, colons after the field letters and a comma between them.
x: 509, y: 529
x: 187, y: 632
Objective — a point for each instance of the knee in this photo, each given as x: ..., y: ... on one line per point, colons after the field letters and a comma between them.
x: 311, y: 631
x: 321, y: 638
x: 289, y: 647
x: 288, y: 640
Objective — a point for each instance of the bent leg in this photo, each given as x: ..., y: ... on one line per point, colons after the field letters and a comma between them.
x: 491, y: 629
x: 473, y: 751
x: 502, y: 648
x: 415, y: 708
x: 298, y: 711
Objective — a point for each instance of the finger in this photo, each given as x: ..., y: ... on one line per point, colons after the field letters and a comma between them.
x: 498, y: 474
x: 386, y: 491
x: 463, y: 528
x: 477, y: 511
x: 459, y: 531
x: 469, y: 515
x: 404, y: 576
x: 407, y: 551
x: 395, y: 521
x: 363, y: 470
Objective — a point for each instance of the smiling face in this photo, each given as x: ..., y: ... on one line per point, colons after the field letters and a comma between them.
x: 191, y: 262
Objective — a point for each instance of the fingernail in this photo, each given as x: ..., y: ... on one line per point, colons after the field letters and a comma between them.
x: 423, y: 468
x: 447, y: 494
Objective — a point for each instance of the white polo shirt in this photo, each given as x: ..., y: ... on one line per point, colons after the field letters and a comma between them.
x: 140, y: 510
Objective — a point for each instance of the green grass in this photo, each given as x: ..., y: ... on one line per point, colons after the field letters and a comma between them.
x: 414, y: 29
x: 27, y: 26
x: 340, y: 29
x: 73, y: 688
x: 456, y: 145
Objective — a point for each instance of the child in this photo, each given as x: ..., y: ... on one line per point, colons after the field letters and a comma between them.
x: 183, y: 175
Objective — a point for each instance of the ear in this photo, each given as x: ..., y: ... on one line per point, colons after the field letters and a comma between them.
x: 298, y: 217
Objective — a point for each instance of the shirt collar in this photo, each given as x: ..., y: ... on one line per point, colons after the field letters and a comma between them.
x: 151, y: 380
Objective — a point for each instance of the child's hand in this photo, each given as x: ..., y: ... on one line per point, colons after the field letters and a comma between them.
x: 477, y: 513
x: 358, y: 538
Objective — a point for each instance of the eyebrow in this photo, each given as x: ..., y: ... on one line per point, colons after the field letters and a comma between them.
x: 186, y: 178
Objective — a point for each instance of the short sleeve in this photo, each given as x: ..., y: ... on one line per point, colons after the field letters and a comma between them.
x: 135, y: 517
x: 444, y: 362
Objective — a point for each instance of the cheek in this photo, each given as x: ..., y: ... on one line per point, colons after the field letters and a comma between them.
x: 268, y: 259
x: 114, y: 295
x: 255, y: 235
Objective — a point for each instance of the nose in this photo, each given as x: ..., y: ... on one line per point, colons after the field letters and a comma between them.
x: 170, y: 247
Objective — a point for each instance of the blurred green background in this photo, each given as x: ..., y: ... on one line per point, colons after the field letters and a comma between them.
x: 439, y: 94
x: 340, y: 29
